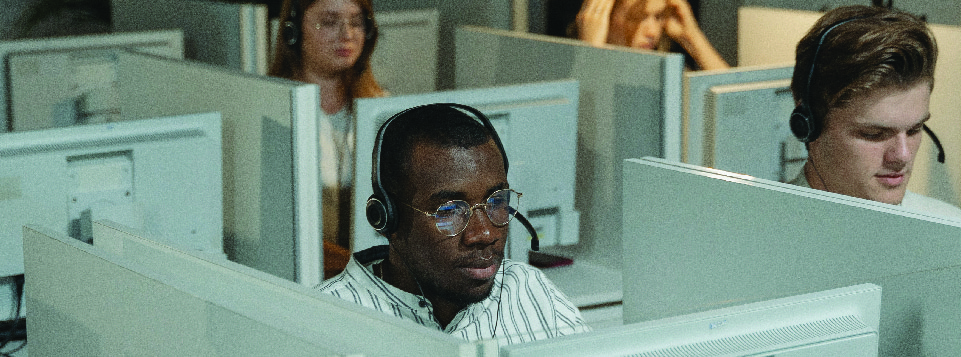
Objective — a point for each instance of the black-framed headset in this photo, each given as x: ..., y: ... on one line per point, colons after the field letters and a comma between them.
x: 382, y: 212
x: 291, y: 28
x: 805, y: 126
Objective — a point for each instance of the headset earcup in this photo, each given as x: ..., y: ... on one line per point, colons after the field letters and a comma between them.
x: 802, y: 126
x: 291, y: 33
x: 380, y: 214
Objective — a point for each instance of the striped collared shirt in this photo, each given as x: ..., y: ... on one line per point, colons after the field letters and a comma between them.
x: 523, y: 305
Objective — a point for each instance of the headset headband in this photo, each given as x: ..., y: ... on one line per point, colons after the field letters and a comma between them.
x: 380, y: 209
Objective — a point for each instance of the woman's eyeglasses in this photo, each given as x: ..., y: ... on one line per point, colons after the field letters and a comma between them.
x: 334, y: 24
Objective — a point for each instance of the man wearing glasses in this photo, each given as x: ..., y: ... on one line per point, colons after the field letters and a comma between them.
x: 443, y: 201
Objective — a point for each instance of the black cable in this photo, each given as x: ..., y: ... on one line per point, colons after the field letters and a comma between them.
x: 937, y: 143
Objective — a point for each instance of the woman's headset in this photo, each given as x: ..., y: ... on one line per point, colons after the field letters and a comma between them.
x: 381, y: 210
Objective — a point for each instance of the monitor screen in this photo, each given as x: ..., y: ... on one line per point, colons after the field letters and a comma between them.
x: 71, y: 78
x: 836, y: 322
x: 162, y: 175
x: 715, y: 239
x: 537, y: 125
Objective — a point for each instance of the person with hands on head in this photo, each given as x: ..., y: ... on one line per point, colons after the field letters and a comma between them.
x: 643, y: 24
x: 442, y: 200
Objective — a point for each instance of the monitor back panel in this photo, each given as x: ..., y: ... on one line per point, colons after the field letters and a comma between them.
x: 697, y: 85
x: 123, y: 299
x: 270, y: 145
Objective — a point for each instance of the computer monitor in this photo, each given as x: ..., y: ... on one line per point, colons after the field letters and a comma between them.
x: 270, y: 154
x: 836, y: 322
x: 697, y: 239
x: 630, y: 106
x: 537, y: 125
x: 134, y: 296
x: 162, y: 175
x: 229, y: 34
x: 697, y: 85
x: 746, y: 130
x: 58, y: 88
x: 759, y: 45
x: 79, y: 78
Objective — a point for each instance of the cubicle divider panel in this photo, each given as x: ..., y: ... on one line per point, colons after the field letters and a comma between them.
x: 271, y: 186
x: 44, y: 75
x: 231, y: 35
x: 630, y: 106
x: 698, y: 239
x: 453, y: 14
x: 697, y: 85
x: 405, y: 60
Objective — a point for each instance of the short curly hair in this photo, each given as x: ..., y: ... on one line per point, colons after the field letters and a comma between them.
x: 437, y: 125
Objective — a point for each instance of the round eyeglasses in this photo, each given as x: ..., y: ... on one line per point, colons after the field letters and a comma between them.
x: 451, y: 218
x: 333, y: 24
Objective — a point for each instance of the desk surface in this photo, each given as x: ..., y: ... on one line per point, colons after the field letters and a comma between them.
x: 587, y: 284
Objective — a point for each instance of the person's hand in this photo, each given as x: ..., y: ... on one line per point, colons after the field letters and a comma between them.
x: 680, y: 25
x: 593, y: 21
